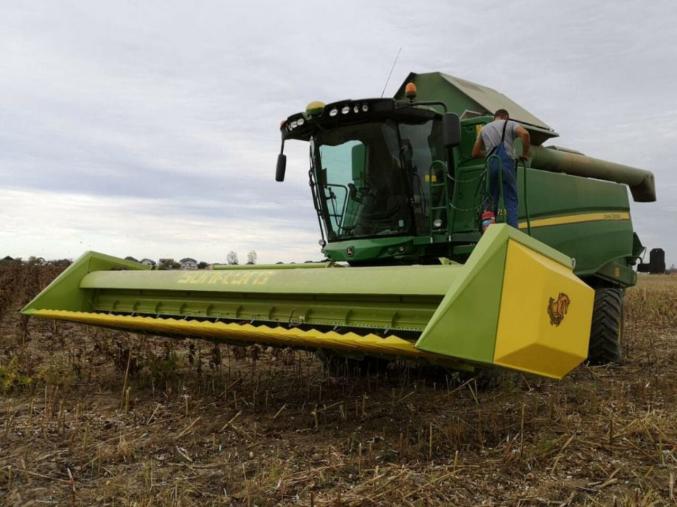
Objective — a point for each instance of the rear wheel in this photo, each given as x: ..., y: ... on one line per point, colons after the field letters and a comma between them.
x: 607, y: 327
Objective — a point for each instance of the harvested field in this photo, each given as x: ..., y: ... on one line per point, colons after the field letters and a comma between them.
x: 98, y: 417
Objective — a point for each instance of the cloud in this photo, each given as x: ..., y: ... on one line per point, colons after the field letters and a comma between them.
x: 65, y: 225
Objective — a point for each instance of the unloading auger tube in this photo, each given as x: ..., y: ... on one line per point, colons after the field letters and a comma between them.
x: 640, y: 181
x: 515, y: 303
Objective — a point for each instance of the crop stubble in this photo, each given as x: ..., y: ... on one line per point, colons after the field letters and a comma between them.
x: 91, y: 416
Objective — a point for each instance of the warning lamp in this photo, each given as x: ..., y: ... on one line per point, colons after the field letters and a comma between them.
x: 315, y: 107
x: 410, y: 91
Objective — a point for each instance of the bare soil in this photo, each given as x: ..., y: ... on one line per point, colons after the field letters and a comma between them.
x: 98, y: 417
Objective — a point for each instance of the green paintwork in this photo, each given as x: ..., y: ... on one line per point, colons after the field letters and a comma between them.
x: 592, y: 244
x: 382, y: 298
x: 469, y: 99
x: 64, y: 293
x: 471, y: 305
x: 237, y: 267
x: 374, y: 312
x: 619, y: 272
x: 557, y: 183
x: 641, y: 182
x: 461, y: 95
x: 386, y: 280
x: 370, y: 248
x: 452, y: 309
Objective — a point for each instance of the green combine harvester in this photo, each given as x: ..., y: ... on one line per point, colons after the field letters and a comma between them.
x: 409, y: 272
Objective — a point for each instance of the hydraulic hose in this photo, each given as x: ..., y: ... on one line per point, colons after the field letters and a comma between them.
x: 526, y: 199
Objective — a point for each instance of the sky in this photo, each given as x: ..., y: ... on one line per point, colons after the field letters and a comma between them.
x: 151, y: 128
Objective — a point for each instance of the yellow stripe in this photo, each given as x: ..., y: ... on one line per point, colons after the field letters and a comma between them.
x: 576, y: 219
x: 248, y: 334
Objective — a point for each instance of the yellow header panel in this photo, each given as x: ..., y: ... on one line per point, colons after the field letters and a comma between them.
x: 545, y: 315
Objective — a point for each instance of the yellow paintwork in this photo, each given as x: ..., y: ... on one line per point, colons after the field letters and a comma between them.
x: 225, y: 277
x: 577, y: 219
x: 249, y: 334
x: 315, y: 107
x: 526, y: 339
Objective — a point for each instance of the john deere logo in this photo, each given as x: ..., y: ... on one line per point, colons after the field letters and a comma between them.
x: 557, y: 308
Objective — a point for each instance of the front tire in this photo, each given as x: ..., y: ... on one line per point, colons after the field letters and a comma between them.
x: 606, y: 330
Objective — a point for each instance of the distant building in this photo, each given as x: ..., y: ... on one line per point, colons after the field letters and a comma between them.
x: 130, y: 258
x: 188, y: 264
x: 148, y: 262
x: 7, y: 258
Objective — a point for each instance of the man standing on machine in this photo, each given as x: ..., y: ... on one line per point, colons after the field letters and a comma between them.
x: 496, y: 138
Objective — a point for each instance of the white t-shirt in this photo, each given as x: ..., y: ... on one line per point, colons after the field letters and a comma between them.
x: 491, y: 135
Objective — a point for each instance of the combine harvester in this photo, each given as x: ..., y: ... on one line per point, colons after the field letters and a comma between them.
x: 409, y: 272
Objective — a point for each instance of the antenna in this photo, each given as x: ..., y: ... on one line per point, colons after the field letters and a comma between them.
x: 391, y: 71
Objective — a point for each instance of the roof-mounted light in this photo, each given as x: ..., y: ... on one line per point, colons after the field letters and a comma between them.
x: 410, y: 91
x: 315, y: 108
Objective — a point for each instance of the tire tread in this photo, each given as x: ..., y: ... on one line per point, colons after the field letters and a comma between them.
x: 607, y: 327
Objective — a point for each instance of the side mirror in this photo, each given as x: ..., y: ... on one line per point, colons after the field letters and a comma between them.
x: 281, y: 167
x: 451, y: 130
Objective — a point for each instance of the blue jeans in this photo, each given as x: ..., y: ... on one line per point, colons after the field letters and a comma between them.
x: 509, y: 184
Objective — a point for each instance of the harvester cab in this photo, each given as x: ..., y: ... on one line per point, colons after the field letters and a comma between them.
x: 409, y: 272
x: 379, y: 176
